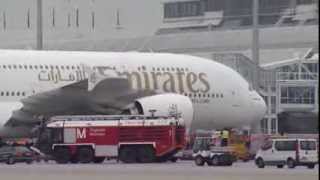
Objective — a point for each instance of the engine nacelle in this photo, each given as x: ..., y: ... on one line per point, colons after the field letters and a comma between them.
x: 6, y: 110
x: 165, y: 104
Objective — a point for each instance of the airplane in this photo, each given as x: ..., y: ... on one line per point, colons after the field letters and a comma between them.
x: 36, y: 85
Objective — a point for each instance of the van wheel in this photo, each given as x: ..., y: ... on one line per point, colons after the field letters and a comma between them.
x: 29, y: 161
x: 260, y: 163
x: 280, y: 166
x: 291, y: 163
x: 85, y: 155
x: 311, y: 166
x: 62, y: 155
x: 128, y: 155
x: 10, y: 160
x: 199, y: 161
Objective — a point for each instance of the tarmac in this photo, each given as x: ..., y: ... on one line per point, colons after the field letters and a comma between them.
x: 181, y: 170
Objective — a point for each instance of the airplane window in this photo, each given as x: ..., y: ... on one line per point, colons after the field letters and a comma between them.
x: 4, y: 66
x: 78, y: 67
x: 62, y: 67
x: 18, y: 93
x: 51, y: 67
x: 20, y: 66
x: 153, y: 69
x: 172, y: 69
x: 168, y: 69
x: 221, y: 95
x: 139, y: 69
x: 67, y: 67
x: 57, y: 67
x: 177, y: 69
x: 158, y: 69
x: 143, y: 68
x: 30, y: 67
x: 9, y: 66
x: 2, y: 93
x: 14, y: 66
x: 187, y: 69
x: 212, y: 95
x: 35, y: 67
x: 12, y: 93
x: 162, y: 69
x: 23, y: 93
x: 217, y: 95
x: 72, y: 67
x: 46, y: 66
x: 195, y: 95
x: 7, y: 93
x: 41, y: 67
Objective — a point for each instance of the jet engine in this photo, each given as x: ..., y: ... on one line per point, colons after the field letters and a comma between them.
x: 164, y: 105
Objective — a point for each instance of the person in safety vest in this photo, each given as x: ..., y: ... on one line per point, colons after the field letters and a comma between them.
x: 225, y: 137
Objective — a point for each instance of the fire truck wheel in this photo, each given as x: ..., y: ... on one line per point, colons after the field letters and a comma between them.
x: 128, y: 154
x: 146, y: 154
x: 98, y: 160
x: 199, y: 161
x: 62, y: 155
x: 85, y: 155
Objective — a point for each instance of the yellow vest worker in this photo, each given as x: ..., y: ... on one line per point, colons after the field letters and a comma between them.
x: 225, y: 134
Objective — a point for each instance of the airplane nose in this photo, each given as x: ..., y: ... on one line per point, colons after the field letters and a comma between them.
x: 259, y: 106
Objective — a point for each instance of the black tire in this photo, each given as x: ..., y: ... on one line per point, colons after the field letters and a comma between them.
x: 128, y: 154
x: 260, y: 163
x: 174, y: 159
x: 62, y: 155
x: 280, y: 166
x: 311, y: 166
x: 145, y: 154
x: 98, y: 160
x: 215, y: 160
x: 29, y: 161
x: 199, y: 161
x: 291, y: 163
x: 85, y: 155
x: 10, y: 160
x: 74, y: 159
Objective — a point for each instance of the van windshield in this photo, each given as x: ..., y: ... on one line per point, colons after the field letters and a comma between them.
x: 308, y: 145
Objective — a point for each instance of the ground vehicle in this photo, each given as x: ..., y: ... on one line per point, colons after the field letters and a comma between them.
x: 86, y: 139
x: 286, y: 151
x: 205, y: 152
x: 12, y: 154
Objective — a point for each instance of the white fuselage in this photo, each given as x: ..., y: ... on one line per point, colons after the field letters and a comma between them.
x: 220, y: 96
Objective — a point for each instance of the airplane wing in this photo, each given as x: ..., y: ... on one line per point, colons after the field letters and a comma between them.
x: 109, y: 96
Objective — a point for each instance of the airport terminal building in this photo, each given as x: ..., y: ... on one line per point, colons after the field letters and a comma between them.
x: 217, y: 29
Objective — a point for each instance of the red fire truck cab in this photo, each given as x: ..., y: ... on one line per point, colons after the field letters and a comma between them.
x: 130, y: 139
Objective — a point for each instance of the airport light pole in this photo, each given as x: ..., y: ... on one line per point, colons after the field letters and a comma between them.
x: 39, y: 26
x: 255, y: 43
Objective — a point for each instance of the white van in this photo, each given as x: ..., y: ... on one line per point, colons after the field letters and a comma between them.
x: 290, y: 152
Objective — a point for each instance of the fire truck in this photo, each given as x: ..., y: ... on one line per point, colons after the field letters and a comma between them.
x: 130, y: 139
